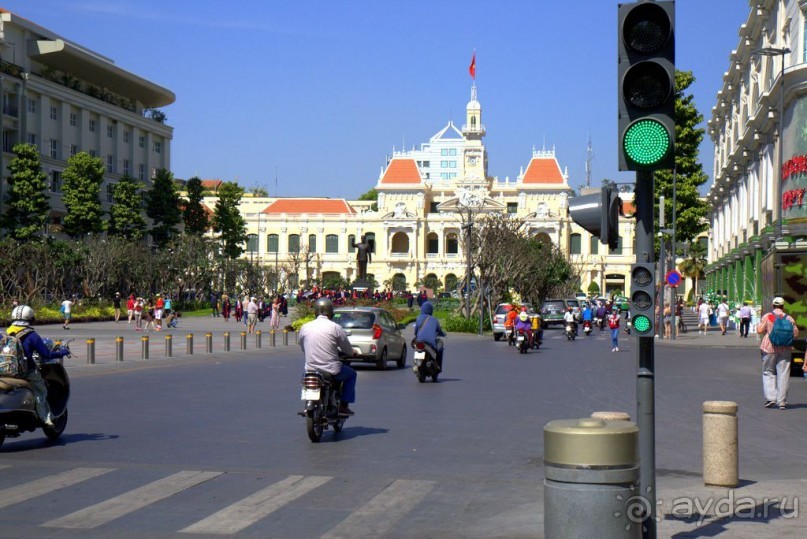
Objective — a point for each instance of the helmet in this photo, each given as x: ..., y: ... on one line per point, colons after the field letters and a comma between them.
x: 524, y: 316
x: 323, y: 306
x: 778, y: 302
x: 22, y: 313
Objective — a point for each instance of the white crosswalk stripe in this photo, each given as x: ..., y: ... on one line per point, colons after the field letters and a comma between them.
x: 131, y: 501
x: 246, y: 512
x: 32, y: 489
x: 382, y: 512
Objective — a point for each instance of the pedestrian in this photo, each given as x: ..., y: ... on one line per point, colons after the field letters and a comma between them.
x: 214, y: 303
x: 245, y: 310
x: 613, y: 324
x: 410, y: 300
x: 159, y: 305
x: 138, y: 314
x: 274, y: 318
x: 703, y: 317
x: 148, y: 314
x: 225, y: 307
x: 745, y: 319
x: 252, y: 314
x: 284, y: 306
x: 723, y: 315
x: 667, y: 321
x: 116, y: 306
x: 779, y: 330
x: 130, y: 305
x: 239, y: 309
x: 66, y: 310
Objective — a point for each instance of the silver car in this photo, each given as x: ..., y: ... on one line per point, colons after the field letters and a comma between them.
x: 374, y: 334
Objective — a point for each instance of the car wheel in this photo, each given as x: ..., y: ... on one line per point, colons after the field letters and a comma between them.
x: 381, y: 364
x: 401, y: 363
x: 497, y: 337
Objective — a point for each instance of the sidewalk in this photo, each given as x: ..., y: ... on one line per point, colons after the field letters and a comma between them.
x: 713, y: 339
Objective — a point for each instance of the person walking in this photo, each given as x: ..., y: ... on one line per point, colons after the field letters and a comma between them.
x: 138, y: 313
x: 252, y: 314
x: 667, y: 321
x: 67, y: 307
x: 274, y: 318
x: 779, y: 330
x: 214, y: 303
x: 225, y: 307
x: 116, y: 305
x: 613, y: 325
x: 130, y: 306
x: 703, y: 318
x: 745, y: 319
x: 723, y: 315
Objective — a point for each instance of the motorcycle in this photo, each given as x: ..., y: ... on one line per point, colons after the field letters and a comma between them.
x: 587, y: 327
x: 321, y: 398
x: 425, y: 361
x: 18, y: 404
x: 570, y: 334
x: 509, y: 335
x: 522, y: 342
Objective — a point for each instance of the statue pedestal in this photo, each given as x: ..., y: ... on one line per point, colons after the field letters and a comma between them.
x: 361, y: 285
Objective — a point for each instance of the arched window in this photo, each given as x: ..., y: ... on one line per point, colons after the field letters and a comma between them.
x: 331, y: 243
x: 431, y: 281
x: 432, y: 243
x: 351, y: 241
x: 574, y: 244
x: 400, y: 243
x: 272, y: 243
x: 294, y: 243
x: 594, y: 245
x: 331, y: 279
x: 312, y: 243
x: 452, y: 244
x: 399, y: 282
x: 252, y: 243
x: 543, y: 237
x: 473, y: 123
x: 451, y: 282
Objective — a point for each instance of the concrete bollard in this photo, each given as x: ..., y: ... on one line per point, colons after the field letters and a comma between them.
x: 285, y: 337
x: 226, y: 341
x: 611, y: 416
x: 169, y: 346
x: 119, y: 349
x: 272, y: 338
x: 295, y: 337
x: 144, y: 347
x: 189, y: 344
x: 90, y: 351
x: 258, y: 339
x: 721, y: 466
x: 243, y: 340
x: 209, y: 343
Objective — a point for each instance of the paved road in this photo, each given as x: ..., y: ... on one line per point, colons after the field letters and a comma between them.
x: 210, y: 445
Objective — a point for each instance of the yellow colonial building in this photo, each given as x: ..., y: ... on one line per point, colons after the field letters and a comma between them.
x: 416, y: 224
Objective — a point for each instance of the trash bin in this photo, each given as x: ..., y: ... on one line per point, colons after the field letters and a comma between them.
x: 591, y: 469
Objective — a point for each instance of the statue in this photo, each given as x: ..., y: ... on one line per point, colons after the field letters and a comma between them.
x: 363, y: 256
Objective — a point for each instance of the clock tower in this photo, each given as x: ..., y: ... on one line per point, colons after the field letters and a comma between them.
x: 473, y: 131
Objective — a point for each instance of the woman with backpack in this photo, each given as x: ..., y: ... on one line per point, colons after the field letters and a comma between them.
x: 779, y: 330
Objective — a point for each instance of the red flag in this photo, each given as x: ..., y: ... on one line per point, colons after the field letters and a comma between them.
x: 472, y: 67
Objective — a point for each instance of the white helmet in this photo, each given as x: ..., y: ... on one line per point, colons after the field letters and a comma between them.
x: 22, y: 313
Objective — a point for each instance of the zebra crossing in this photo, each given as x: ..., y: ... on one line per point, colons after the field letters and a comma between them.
x: 392, y: 501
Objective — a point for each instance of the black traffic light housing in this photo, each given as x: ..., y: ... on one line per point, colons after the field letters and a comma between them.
x: 646, y: 79
x: 598, y: 213
x: 643, y: 298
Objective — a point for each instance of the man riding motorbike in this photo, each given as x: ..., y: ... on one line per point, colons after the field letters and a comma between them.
x: 587, y: 317
x: 427, y: 329
x: 509, y: 322
x: 22, y: 316
x: 524, y: 323
x: 321, y: 340
x: 570, y: 319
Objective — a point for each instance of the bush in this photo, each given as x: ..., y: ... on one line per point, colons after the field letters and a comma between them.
x: 460, y: 324
x: 297, y: 324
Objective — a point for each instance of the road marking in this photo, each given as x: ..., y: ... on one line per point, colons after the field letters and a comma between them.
x: 5, y: 466
x: 236, y: 517
x: 32, y: 489
x: 378, y: 515
x: 131, y: 501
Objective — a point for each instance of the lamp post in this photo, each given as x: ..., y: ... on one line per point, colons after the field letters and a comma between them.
x: 777, y: 191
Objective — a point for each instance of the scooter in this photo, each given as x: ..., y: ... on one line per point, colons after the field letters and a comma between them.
x: 509, y: 335
x: 18, y: 404
x: 321, y: 398
x: 522, y: 342
x: 425, y: 361
x: 587, y: 327
x: 570, y: 334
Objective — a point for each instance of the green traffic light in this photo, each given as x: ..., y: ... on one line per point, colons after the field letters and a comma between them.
x: 641, y: 324
x: 646, y: 142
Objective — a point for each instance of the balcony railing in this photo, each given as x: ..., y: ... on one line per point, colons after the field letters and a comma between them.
x: 11, y: 69
x: 10, y: 109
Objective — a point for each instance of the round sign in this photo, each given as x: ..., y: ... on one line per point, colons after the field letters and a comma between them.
x: 673, y: 278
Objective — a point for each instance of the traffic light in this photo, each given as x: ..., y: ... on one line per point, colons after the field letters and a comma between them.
x: 642, y: 298
x: 598, y: 213
x: 646, y: 93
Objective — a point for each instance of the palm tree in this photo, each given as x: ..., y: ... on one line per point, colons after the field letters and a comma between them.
x: 692, y: 266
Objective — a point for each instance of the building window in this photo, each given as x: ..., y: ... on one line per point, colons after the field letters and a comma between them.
x: 252, y: 243
x: 110, y: 131
x: 126, y: 137
x: 32, y: 106
x: 92, y: 126
x: 618, y: 250
x: 126, y: 167
x: 272, y: 243
x: 141, y: 141
x: 31, y: 139
x: 432, y: 244
x: 93, y: 153
x: 312, y: 243
x: 294, y: 243
x: 595, y: 245
x: 53, y: 113
x: 433, y: 207
x: 110, y: 192
x: 370, y: 239
x: 452, y: 244
x: 56, y: 182
x: 110, y: 163
x: 443, y: 164
x: 444, y: 151
x: 73, y: 119
x: 512, y: 208
x: 452, y: 151
x: 351, y: 243
x: 331, y: 243
x: 452, y: 164
x: 54, y: 148
x: 73, y: 150
x: 575, y: 244
x: 158, y: 147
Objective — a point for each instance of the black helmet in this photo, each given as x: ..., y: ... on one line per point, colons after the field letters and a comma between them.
x: 323, y: 306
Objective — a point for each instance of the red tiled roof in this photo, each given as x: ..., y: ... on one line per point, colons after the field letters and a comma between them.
x: 401, y: 171
x: 309, y: 205
x: 212, y: 185
x: 543, y: 170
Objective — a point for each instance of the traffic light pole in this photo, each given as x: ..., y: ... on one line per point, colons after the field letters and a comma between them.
x: 645, y: 381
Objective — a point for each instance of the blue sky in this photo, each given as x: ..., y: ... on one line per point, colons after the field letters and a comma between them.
x: 317, y: 93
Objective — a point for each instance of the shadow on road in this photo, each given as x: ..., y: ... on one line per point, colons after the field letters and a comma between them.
x: 353, y: 432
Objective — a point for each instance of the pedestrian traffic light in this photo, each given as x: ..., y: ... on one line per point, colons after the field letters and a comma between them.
x: 598, y: 213
x: 642, y: 298
x: 646, y: 78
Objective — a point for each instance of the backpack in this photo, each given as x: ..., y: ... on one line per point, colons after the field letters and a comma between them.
x: 13, y: 362
x: 782, y: 332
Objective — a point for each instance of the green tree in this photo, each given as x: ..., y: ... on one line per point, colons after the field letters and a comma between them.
x: 693, y: 265
x: 228, y: 222
x: 195, y: 215
x: 81, y: 194
x: 126, y: 214
x: 27, y: 206
x: 690, y: 210
x: 162, y: 206
x: 372, y: 194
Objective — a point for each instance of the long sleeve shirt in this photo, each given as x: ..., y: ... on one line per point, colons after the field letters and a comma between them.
x: 321, y: 340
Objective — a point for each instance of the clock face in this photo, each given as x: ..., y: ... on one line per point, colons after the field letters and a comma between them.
x: 472, y: 161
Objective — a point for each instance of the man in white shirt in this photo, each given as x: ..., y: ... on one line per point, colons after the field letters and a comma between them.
x: 67, y: 306
x: 703, y: 318
x: 723, y: 315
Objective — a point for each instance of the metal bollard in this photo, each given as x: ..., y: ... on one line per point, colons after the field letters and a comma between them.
x: 258, y: 339
x: 243, y: 340
x: 285, y: 337
x: 90, y: 351
x: 189, y: 344
x: 590, y: 468
x: 119, y: 349
x: 272, y: 338
x: 209, y: 343
x: 169, y: 346
x: 144, y: 347
x: 226, y: 341
x: 720, y: 455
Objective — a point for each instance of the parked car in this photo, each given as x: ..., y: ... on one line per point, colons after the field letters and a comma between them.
x: 498, y: 318
x: 374, y: 334
x: 552, y: 311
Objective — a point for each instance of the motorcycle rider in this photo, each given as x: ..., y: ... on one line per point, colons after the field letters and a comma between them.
x: 509, y: 322
x: 321, y: 340
x: 570, y: 319
x: 427, y: 329
x: 22, y: 316
x: 587, y: 316
x: 523, y: 322
x: 601, y: 314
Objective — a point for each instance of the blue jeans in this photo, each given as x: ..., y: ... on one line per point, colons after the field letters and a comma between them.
x: 615, y: 337
x: 348, y: 378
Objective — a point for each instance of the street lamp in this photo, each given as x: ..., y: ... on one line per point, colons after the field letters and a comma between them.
x: 777, y: 191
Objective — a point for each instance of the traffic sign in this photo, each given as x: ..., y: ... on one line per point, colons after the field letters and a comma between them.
x: 673, y: 278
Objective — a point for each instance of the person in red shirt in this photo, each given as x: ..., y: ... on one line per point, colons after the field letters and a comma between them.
x: 130, y: 307
x: 158, y: 313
